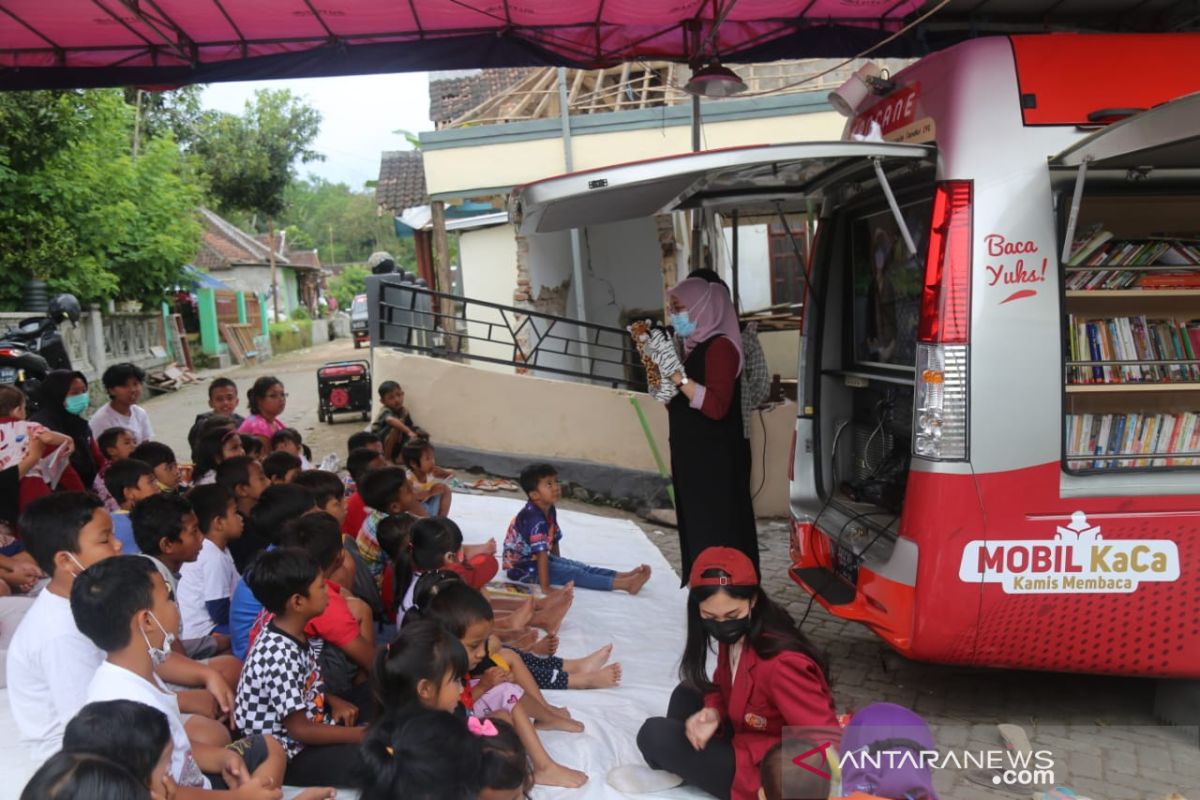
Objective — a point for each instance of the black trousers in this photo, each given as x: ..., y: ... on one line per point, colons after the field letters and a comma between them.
x: 664, y: 745
x: 325, y: 765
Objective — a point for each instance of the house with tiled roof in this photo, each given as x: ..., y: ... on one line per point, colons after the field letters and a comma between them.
x: 242, y: 261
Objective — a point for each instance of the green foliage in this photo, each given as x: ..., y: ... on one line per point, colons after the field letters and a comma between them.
x: 351, y: 281
x: 299, y: 313
x: 78, y: 211
x: 413, y: 139
x: 343, y: 224
x: 287, y: 336
x: 176, y: 113
x: 250, y: 159
x: 298, y: 239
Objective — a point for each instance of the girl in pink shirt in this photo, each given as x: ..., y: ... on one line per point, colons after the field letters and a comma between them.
x: 267, y: 400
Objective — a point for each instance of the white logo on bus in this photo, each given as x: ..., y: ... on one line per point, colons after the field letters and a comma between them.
x: 1078, y: 560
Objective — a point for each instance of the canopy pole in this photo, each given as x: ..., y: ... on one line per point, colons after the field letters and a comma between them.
x: 737, y: 296
x: 576, y: 242
x: 1073, y: 217
x: 658, y: 459
x: 892, y: 204
x: 697, y: 213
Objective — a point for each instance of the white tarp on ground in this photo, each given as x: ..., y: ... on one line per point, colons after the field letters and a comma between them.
x: 647, y: 632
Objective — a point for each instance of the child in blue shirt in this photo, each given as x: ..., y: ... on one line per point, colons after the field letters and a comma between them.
x: 128, y: 481
x: 531, y: 553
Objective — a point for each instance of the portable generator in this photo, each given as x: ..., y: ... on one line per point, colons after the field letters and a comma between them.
x: 343, y: 387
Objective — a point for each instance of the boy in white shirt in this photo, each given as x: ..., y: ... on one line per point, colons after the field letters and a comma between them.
x: 123, y: 606
x: 206, y: 584
x: 123, y: 382
x: 49, y: 661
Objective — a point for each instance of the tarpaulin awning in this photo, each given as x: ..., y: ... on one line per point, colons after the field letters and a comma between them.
x: 202, y: 280
x: 107, y: 42
x: 81, y: 43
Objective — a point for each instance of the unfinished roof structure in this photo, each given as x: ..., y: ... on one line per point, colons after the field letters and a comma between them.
x: 492, y: 96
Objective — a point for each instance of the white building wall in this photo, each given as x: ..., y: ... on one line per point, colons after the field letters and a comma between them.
x: 488, y: 271
x: 754, y: 266
x: 552, y: 291
x: 623, y: 270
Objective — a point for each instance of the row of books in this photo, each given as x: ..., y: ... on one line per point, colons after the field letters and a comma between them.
x: 1096, y: 247
x: 1133, y: 436
x: 1113, y: 279
x: 1134, y: 339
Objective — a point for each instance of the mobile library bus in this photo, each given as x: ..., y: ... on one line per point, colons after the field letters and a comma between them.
x: 996, y: 459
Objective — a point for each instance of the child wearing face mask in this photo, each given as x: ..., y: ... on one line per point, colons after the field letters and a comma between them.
x: 49, y: 661
x: 123, y: 606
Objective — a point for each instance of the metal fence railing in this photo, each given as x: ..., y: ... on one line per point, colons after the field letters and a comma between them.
x: 417, y: 319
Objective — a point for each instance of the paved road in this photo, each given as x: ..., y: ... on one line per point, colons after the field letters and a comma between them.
x: 173, y: 414
x: 1101, y: 760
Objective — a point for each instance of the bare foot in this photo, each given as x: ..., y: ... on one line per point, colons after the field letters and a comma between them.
x: 317, y: 793
x: 520, y: 616
x: 638, y: 580
x: 521, y: 640
x: 548, y: 646
x: 550, y: 619
x: 566, y: 591
x: 589, y: 663
x: 558, y: 723
x: 605, y: 678
x: 561, y: 711
x: 557, y: 775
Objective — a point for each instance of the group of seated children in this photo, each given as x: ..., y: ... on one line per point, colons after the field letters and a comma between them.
x: 277, y: 631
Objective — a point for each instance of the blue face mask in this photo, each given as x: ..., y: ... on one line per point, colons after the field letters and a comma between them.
x: 76, y: 404
x: 683, y: 326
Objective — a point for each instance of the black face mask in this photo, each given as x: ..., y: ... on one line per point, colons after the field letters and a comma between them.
x: 727, y: 631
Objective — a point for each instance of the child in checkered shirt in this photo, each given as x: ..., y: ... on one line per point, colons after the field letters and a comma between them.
x: 281, y: 691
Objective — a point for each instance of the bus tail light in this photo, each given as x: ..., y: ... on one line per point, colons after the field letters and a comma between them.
x: 941, y: 399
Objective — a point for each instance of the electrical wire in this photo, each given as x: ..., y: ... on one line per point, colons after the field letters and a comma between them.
x: 848, y: 61
x: 763, y: 474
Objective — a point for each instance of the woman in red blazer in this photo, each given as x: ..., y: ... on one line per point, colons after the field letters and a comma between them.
x: 768, y: 677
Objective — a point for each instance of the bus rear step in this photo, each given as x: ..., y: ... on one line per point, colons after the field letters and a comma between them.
x: 832, y: 589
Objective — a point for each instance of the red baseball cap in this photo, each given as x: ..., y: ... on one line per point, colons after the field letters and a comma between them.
x: 730, y: 560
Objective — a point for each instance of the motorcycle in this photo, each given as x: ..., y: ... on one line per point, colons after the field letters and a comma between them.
x: 34, y: 346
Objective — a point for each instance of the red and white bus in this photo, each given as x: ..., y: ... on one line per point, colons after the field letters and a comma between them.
x: 996, y: 459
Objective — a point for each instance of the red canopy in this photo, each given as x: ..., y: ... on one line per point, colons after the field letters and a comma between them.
x: 108, y: 42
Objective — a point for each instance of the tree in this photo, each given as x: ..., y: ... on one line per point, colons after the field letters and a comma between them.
x: 351, y: 281
x: 342, y: 223
x: 251, y: 159
x: 77, y: 211
x: 176, y: 112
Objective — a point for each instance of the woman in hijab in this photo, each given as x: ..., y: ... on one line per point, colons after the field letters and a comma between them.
x: 62, y: 399
x: 710, y: 455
